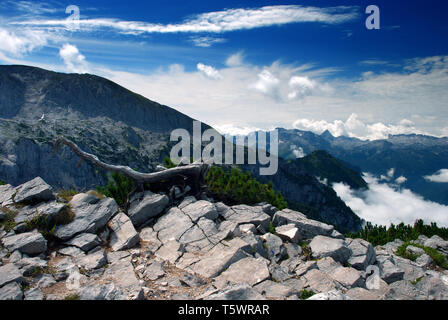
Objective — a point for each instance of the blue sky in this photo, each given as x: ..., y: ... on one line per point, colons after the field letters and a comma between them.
x: 244, y: 65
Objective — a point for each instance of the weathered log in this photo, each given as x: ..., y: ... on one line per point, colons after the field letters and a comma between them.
x: 194, y: 173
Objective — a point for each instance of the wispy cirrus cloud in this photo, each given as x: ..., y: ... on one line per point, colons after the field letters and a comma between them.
x: 218, y: 21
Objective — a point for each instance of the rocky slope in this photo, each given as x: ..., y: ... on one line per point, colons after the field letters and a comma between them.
x: 197, y: 249
x: 118, y: 126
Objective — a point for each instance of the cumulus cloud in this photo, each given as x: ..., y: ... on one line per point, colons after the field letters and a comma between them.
x: 73, y: 59
x: 235, y: 60
x: 383, y: 204
x: 221, y: 21
x: 267, y: 83
x: 401, y: 180
x: 300, y: 86
x: 20, y: 42
x: 209, y: 71
x: 353, y: 127
x: 232, y: 130
x: 440, y: 176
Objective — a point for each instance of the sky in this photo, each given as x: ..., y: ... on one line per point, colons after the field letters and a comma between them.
x: 247, y: 65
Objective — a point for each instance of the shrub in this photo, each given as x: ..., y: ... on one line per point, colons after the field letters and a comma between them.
x: 8, y: 223
x: 380, y: 235
x: 438, y: 258
x: 2, y: 182
x: 168, y: 163
x: 305, y: 294
x: 118, y: 187
x: 238, y: 187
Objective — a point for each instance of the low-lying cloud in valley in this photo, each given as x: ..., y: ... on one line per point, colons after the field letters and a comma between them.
x: 385, y: 203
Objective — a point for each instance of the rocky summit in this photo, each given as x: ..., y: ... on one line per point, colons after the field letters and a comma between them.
x: 194, y: 249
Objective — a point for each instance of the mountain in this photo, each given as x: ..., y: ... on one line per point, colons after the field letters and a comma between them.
x: 120, y: 127
x: 412, y: 156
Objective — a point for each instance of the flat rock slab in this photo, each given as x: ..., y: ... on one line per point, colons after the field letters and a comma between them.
x: 236, y: 292
x: 200, y: 209
x: 85, y: 241
x: 11, y: 291
x: 172, y: 225
x: 171, y: 251
x: 243, y: 214
x: 322, y: 247
x: 308, y: 229
x: 34, y: 190
x: 320, y: 282
x: 248, y: 270
x: 220, y: 258
x: 93, y: 260
x: 274, y: 290
x: 122, y: 274
x: 10, y: 273
x: 123, y: 235
x: 91, y: 214
x: 48, y: 209
x: 348, y: 277
x: 146, y: 205
x: 31, y: 243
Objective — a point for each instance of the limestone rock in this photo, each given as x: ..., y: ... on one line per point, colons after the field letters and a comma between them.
x: 91, y: 214
x: 123, y: 235
x: 348, y: 277
x: 200, y: 209
x: 236, y: 292
x: 11, y: 291
x: 248, y: 270
x: 31, y: 243
x: 274, y: 290
x: 85, y: 241
x: 322, y: 247
x: 363, y: 253
x: 144, y: 206
x: 10, y: 273
x: 288, y: 232
x: 34, y: 190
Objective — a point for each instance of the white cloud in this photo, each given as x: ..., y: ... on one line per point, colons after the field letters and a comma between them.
x: 401, y: 180
x: 209, y: 71
x: 353, y: 127
x: 221, y: 21
x: 73, y: 59
x: 382, y: 204
x: 440, y: 176
x: 235, y: 60
x: 301, y: 86
x: 267, y: 83
x: 18, y: 43
x: 206, y: 42
x: 297, y: 151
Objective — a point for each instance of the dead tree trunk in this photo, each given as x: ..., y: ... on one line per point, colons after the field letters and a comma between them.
x: 192, y: 174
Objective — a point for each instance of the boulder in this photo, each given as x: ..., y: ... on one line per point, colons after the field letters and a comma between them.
x: 85, y: 241
x: 308, y: 229
x: 437, y: 243
x: 10, y: 273
x: 322, y: 247
x: 123, y: 235
x: 362, y: 294
x: 100, y: 291
x: 304, y: 267
x: 154, y: 271
x: 48, y: 209
x: 390, y: 272
x: 32, y: 243
x: 404, y: 290
x: 363, y: 253
x: 247, y: 228
x: 274, y: 290
x: 319, y: 282
x: 6, y: 193
x: 327, y: 265
x: 348, y: 277
x: 63, y: 267
x: 144, y: 206
x: 28, y: 266
x: 288, y: 232
x: 34, y: 190
x: 94, y: 260
x: 11, y: 291
x: 248, y: 270
x: 91, y: 213
x: 274, y: 247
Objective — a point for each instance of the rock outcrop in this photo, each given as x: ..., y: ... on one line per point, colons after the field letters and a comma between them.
x: 199, y: 249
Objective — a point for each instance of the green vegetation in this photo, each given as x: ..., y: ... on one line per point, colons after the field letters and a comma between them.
x: 47, y: 225
x: 67, y: 195
x: 236, y: 187
x: 118, y: 187
x: 8, y: 223
x: 271, y: 227
x: 380, y: 235
x: 2, y: 182
x: 168, y: 163
x: 72, y: 297
x: 305, y: 294
x: 439, y: 258
x: 306, y: 251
